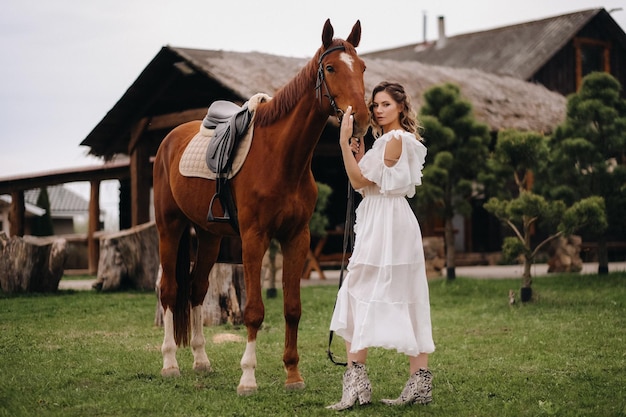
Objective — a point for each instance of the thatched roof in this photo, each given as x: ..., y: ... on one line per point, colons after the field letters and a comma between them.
x: 180, y: 79
x: 500, y: 102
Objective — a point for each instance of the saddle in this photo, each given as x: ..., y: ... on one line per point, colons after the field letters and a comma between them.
x: 230, y: 123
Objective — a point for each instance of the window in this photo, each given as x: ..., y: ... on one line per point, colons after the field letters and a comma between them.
x: 591, y: 55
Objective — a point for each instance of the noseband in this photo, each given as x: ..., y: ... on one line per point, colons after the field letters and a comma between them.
x: 321, y: 81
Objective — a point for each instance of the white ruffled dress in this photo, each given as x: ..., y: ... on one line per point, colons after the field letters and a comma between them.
x: 384, y: 301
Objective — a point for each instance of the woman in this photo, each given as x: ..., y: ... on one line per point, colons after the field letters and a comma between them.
x: 384, y: 300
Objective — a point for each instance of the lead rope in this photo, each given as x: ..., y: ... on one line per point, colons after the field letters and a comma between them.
x: 348, y: 240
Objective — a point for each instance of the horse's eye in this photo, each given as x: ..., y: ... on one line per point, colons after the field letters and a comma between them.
x: 329, y: 68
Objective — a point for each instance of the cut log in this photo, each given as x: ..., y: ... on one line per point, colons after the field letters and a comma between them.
x: 129, y: 259
x: 564, y: 254
x: 225, y: 299
x: 31, y: 264
x: 434, y: 255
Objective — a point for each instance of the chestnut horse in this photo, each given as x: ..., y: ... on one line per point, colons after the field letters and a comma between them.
x: 275, y: 195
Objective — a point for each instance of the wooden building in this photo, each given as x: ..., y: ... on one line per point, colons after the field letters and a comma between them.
x: 556, y: 52
x: 179, y: 84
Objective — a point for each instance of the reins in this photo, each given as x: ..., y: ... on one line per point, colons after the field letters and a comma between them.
x: 321, y: 80
x: 348, y: 240
x: 348, y: 231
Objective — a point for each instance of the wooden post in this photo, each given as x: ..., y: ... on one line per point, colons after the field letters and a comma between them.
x: 16, y: 216
x: 140, y: 176
x: 93, y: 244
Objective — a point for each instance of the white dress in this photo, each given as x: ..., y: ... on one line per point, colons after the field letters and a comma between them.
x: 383, y: 301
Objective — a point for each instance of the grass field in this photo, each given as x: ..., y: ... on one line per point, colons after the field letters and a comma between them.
x: 92, y: 354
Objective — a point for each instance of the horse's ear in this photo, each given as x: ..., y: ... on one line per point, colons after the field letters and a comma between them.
x: 327, y: 34
x: 355, y: 36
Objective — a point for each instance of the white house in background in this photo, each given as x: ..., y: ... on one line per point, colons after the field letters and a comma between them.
x: 67, y: 209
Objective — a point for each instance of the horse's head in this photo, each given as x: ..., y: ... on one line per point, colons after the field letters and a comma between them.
x: 340, y: 76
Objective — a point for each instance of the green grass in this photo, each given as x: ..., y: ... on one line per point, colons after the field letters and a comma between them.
x: 78, y: 277
x: 92, y: 354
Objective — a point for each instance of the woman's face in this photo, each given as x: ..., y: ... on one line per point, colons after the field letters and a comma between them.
x: 385, y: 110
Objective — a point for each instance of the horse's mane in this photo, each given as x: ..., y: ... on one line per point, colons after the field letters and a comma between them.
x: 287, y: 96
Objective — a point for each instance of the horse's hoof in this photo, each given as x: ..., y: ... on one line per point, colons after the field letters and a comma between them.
x: 244, y: 391
x: 295, y: 386
x: 170, y: 372
x: 202, y: 367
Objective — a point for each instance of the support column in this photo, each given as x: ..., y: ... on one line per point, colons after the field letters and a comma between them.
x: 140, y: 175
x: 93, y: 243
x: 16, y: 215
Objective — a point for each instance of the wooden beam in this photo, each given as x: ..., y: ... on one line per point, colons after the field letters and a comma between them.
x: 171, y: 120
x: 140, y: 176
x: 108, y: 171
x: 93, y: 244
x: 17, y: 213
x: 135, y: 135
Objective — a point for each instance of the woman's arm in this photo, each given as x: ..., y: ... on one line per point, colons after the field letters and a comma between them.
x: 357, y: 180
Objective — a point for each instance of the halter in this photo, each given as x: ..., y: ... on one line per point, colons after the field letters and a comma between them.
x: 321, y: 80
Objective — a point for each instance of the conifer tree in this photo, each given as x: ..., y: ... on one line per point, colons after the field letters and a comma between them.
x: 589, y: 152
x: 517, y: 155
x: 42, y: 226
x: 458, y: 147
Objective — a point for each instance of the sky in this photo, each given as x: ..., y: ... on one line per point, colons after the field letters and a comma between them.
x: 65, y: 63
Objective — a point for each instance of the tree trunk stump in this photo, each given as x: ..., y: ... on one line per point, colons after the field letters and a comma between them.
x: 434, y: 255
x: 31, y: 264
x: 224, y: 301
x: 564, y: 254
x: 129, y: 259
x: 226, y: 297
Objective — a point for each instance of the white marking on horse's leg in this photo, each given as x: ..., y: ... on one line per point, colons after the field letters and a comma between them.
x: 348, y: 60
x: 201, y: 362
x: 247, y: 383
x: 168, y: 349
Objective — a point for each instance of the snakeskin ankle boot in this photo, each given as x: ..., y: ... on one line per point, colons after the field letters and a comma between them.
x: 356, y: 385
x: 418, y: 390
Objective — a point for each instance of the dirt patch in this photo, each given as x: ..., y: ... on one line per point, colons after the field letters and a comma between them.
x: 227, y: 337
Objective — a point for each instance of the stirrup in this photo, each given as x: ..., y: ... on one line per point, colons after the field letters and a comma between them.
x: 211, y: 218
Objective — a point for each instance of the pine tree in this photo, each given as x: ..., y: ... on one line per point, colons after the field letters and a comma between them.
x: 589, y: 153
x: 42, y: 226
x: 516, y: 156
x: 458, y: 147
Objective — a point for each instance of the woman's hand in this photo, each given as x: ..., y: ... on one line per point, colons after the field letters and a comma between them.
x: 351, y: 151
x: 345, y: 130
x: 345, y: 134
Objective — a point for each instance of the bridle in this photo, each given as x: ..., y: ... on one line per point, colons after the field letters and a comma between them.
x: 321, y: 81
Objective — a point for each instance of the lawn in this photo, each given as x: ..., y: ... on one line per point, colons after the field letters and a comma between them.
x: 92, y: 354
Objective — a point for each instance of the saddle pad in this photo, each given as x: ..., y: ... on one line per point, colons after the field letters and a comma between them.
x: 193, y: 161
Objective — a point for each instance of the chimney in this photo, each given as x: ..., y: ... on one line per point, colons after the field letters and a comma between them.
x: 441, y: 41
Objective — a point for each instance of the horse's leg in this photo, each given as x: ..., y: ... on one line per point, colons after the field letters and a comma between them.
x: 169, y: 238
x: 253, y: 249
x: 294, y: 256
x: 208, y: 250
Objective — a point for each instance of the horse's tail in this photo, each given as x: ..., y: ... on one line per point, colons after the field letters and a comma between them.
x: 182, y: 310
